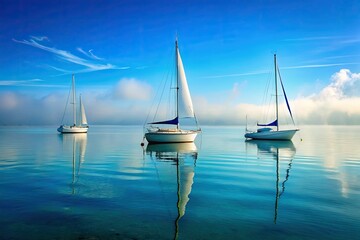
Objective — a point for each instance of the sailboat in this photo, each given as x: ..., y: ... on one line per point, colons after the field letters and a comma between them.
x: 277, y: 149
x: 184, y: 155
x: 184, y: 109
x: 266, y: 132
x: 76, y: 127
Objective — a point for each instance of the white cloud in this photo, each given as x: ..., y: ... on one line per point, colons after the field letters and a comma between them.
x: 101, y: 105
x: 132, y: 89
x: 337, y: 103
x: 343, y: 84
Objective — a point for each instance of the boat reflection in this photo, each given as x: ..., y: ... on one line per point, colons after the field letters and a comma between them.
x: 184, y: 156
x: 78, y: 142
x: 280, y: 151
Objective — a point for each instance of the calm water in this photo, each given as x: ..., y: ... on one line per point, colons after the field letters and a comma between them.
x: 103, y: 185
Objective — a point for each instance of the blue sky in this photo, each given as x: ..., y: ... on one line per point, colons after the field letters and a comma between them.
x: 121, y: 50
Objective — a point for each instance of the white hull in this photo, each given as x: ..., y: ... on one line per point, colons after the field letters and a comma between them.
x: 72, y: 129
x: 179, y: 136
x: 272, y: 135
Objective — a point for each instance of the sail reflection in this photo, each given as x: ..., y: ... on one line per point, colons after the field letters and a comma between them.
x: 280, y: 151
x: 184, y: 156
x: 78, y: 142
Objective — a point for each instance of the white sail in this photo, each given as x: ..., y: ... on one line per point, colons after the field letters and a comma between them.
x: 185, y: 103
x: 82, y: 113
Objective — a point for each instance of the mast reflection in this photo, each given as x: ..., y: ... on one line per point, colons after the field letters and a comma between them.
x: 278, y: 150
x: 78, y: 142
x: 184, y: 155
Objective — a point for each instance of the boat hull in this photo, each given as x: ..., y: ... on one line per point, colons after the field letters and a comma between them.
x: 272, y: 135
x: 171, y: 136
x: 72, y: 129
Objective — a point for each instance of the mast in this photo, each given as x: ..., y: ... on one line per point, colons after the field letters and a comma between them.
x: 177, y: 81
x: 73, y: 98
x: 276, y: 94
x: 81, y: 110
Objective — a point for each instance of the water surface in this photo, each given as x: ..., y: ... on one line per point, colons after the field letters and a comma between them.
x: 104, y: 185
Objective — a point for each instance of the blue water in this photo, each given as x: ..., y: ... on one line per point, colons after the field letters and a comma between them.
x: 104, y: 185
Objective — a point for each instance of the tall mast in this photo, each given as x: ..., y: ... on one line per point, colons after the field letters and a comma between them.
x: 81, y: 119
x: 276, y: 94
x: 177, y: 81
x: 73, y: 98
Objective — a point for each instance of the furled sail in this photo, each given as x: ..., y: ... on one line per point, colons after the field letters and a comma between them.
x: 185, y: 103
x: 174, y: 121
x: 274, y: 123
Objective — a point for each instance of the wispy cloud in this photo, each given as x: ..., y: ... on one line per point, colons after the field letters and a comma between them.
x: 283, y: 68
x: 18, y: 82
x: 69, y: 57
x: 40, y: 38
x: 326, y: 44
x: 89, y: 54
x: 237, y: 74
x: 313, y: 38
x: 320, y: 65
x: 27, y: 83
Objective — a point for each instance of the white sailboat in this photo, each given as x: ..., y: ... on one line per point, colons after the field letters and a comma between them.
x: 266, y: 132
x: 76, y: 127
x: 184, y: 109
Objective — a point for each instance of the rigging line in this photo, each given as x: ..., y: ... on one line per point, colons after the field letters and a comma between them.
x: 162, y: 93
x: 196, y: 122
x: 153, y: 102
x: 170, y: 95
x: 155, y: 98
x: 269, y: 109
x: 266, y: 92
x: 266, y: 101
x: 161, y: 96
x: 67, y: 102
